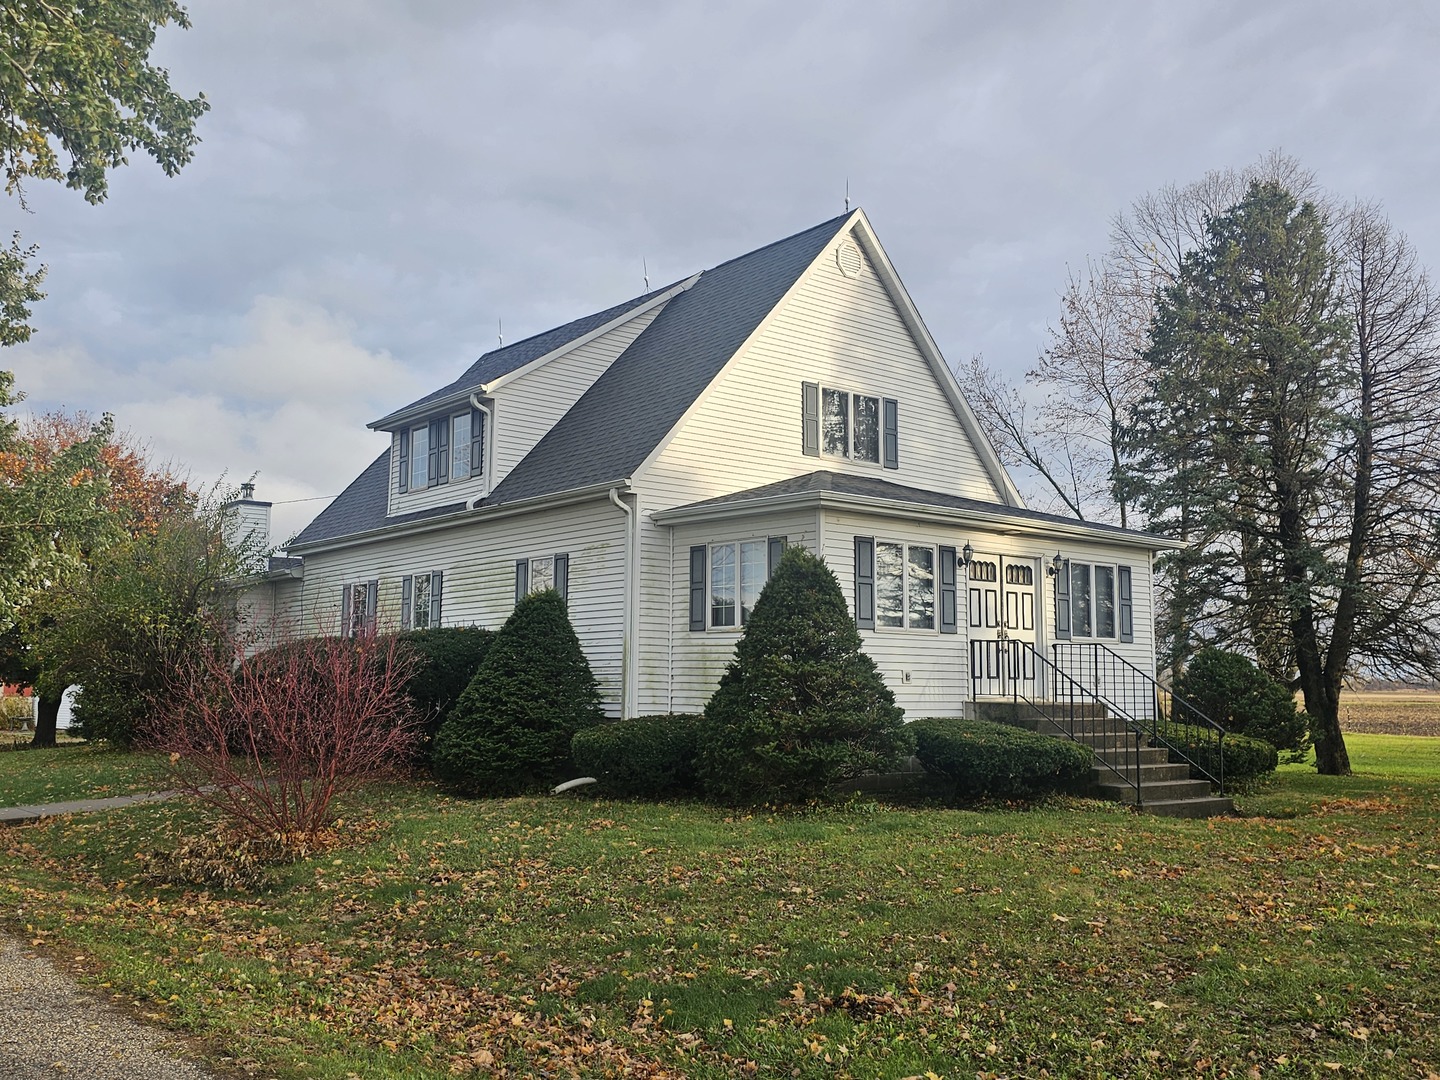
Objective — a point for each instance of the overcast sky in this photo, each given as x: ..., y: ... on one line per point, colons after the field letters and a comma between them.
x: 381, y: 182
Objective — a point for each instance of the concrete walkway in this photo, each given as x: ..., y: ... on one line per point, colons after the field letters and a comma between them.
x: 23, y: 815
x: 50, y: 1028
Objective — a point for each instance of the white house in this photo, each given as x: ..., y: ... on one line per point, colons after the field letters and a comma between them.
x: 651, y: 461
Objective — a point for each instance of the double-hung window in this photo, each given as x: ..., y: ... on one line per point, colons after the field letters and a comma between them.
x: 845, y: 424
x: 542, y: 572
x: 358, y: 607
x: 443, y: 450
x: 1094, y: 600
x: 420, y: 600
x: 726, y: 580
x: 903, y: 586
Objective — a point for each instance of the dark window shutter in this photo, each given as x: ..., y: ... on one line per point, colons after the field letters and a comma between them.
x: 775, y: 553
x: 891, y: 440
x: 522, y: 578
x: 949, y: 612
x: 440, y: 441
x: 865, y: 582
x: 1127, y: 605
x: 372, y: 605
x: 477, y: 444
x: 407, y: 596
x: 405, y: 460
x: 810, y: 419
x: 697, y: 587
x: 432, y: 463
x: 344, y: 610
x: 562, y: 576
x: 437, y: 585
x: 1062, y: 601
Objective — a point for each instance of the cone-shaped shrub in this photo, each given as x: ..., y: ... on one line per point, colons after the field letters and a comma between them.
x: 511, y: 729
x: 800, y: 706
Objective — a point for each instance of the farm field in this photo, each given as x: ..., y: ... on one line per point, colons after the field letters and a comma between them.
x: 1391, y: 712
x: 572, y: 936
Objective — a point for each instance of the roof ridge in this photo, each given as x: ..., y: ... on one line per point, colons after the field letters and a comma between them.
x: 784, y: 239
x: 634, y: 300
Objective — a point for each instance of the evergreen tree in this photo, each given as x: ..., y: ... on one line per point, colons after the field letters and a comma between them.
x: 800, y: 706
x: 510, y: 730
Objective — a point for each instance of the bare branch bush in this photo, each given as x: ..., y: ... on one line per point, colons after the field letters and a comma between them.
x: 271, y: 740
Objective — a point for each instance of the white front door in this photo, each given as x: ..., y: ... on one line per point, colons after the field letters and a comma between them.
x: 1001, y: 607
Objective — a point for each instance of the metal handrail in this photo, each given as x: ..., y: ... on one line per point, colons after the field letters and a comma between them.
x: 1077, y: 712
x: 1147, y: 706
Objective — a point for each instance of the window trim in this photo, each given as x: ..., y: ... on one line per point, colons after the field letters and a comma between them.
x: 763, y: 542
x: 349, y: 626
x: 812, y: 425
x: 435, y: 587
x: 1119, y: 572
x: 439, y: 472
x: 560, y: 574
x: 701, y: 565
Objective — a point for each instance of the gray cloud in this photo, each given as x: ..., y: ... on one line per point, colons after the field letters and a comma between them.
x: 381, y: 181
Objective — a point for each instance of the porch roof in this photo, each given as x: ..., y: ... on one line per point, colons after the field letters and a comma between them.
x: 844, y: 491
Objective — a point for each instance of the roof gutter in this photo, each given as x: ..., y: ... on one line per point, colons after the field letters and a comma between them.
x: 899, y: 508
x: 485, y: 444
x: 459, y: 516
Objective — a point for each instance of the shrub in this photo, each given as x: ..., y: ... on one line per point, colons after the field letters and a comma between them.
x: 997, y: 760
x: 510, y: 730
x: 16, y: 712
x: 1246, y: 759
x: 800, y: 706
x: 446, y: 661
x: 271, y: 740
x: 1241, y: 698
x: 646, y: 757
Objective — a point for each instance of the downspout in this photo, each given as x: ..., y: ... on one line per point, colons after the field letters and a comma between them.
x: 627, y: 645
x: 489, y: 457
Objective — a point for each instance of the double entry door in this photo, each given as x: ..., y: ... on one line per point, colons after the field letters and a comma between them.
x: 1000, y: 593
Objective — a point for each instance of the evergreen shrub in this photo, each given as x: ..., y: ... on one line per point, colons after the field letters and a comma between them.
x: 1246, y: 759
x: 800, y: 706
x: 1242, y: 699
x: 511, y: 728
x: 447, y: 658
x: 991, y: 760
x: 644, y: 758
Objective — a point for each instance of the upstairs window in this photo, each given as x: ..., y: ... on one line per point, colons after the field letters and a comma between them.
x: 445, y: 450
x: 858, y: 427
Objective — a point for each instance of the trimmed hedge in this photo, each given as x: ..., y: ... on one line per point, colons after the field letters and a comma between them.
x: 997, y: 760
x: 647, y: 757
x: 1246, y: 759
x: 510, y: 731
x: 1242, y: 699
x: 801, y: 706
x: 448, y: 658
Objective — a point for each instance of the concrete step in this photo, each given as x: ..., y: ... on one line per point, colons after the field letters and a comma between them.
x: 1212, y: 806
x: 1161, y: 791
x: 1149, y: 773
x: 1019, y: 714
x: 1125, y: 755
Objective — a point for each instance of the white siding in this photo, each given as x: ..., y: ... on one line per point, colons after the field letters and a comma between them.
x: 841, y: 332
x: 269, y: 611
x: 679, y: 668
x: 531, y: 405
x: 478, y: 561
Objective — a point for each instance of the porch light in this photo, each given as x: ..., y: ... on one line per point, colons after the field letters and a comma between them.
x: 1055, y: 565
x: 966, y: 552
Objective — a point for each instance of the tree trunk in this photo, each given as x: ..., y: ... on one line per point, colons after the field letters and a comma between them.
x: 45, y: 718
x: 1331, y: 757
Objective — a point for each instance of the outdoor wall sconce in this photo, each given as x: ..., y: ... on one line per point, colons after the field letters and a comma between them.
x: 966, y: 552
x: 1055, y: 565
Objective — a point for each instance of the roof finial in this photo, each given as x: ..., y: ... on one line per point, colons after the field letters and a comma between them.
x: 847, y: 194
x: 500, y: 323
x: 645, y: 270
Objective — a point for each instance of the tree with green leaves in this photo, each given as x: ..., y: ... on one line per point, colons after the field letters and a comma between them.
x: 1289, y: 420
x: 801, y: 706
x: 78, y: 93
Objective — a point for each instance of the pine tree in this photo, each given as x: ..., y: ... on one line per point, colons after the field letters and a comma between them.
x: 800, y: 706
x: 510, y: 730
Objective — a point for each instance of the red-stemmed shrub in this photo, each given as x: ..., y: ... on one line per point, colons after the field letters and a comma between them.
x: 271, y: 740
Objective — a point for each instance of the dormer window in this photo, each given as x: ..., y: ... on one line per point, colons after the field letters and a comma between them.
x: 445, y: 450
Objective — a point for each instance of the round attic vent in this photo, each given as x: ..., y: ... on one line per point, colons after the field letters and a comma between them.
x: 849, y: 259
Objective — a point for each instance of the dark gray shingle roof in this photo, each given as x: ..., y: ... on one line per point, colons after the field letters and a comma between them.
x: 872, y: 488
x: 632, y: 406
x: 511, y: 357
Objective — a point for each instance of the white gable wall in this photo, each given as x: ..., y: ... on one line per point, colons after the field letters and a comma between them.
x: 841, y: 332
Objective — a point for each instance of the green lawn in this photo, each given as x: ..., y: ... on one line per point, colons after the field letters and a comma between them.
x: 73, y: 771
x: 568, y: 934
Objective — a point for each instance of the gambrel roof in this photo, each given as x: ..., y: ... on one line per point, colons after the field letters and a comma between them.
x: 629, y: 410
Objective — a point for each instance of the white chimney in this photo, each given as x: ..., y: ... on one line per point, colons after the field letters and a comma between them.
x: 247, y: 526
